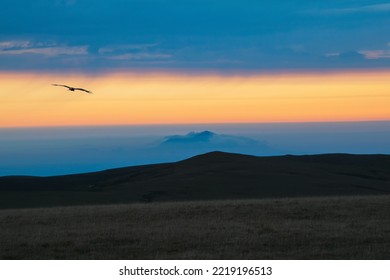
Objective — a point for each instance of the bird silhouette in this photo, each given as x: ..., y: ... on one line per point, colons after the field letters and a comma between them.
x: 73, y: 88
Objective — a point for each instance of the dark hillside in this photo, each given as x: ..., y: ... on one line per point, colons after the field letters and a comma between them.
x: 209, y: 176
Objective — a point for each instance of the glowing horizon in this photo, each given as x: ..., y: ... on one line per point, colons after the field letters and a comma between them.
x: 128, y: 98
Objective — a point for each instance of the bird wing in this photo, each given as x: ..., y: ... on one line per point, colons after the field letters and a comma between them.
x: 82, y: 89
x: 61, y: 85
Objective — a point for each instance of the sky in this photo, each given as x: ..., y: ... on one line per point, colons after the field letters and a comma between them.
x: 190, y: 65
x: 228, y: 36
x: 193, y: 61
x: 29, y: 99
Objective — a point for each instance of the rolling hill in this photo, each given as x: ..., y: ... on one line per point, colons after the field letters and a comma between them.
x: 211, y: 176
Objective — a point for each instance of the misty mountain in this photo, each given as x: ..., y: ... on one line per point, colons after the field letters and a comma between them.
x: 56, y: 151
x: 192, y: 137
x: 195, y: 143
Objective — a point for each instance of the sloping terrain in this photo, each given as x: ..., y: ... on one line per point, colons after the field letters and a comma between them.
x: 210, y: 176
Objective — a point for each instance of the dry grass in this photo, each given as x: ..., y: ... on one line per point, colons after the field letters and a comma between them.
x: 307, y: 228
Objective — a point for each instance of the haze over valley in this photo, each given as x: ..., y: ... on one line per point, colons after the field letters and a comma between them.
x: 65, y: 150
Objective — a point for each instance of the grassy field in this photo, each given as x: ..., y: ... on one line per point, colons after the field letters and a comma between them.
x: 295, y: 228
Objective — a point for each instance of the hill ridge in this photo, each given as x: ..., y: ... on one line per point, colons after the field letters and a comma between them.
x: 209, y: 176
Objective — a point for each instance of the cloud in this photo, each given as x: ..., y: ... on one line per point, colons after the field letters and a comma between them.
x: 140, y: 56
x: 39, y: 48
x: 375, y: 54
x: 125, y: 48
x: 5, y: 45
x: 366, y: 9
x: 378, y: 8
x: 51, y: 51
x: 333, y: 54
x: 347, y: 56
x: 133, y: 52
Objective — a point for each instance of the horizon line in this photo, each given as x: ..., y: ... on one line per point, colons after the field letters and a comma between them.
x: 195, y: 124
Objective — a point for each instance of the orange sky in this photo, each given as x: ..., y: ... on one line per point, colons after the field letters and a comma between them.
x: 28, y: 99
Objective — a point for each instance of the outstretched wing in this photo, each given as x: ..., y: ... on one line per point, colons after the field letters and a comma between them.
x: 83, y: 89
x: 61, y: 85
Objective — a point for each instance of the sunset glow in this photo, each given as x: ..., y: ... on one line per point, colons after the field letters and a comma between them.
x: 28, y: 99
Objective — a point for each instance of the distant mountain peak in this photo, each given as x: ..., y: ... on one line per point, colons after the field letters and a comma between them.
x: 192, y: 137
x: 201, y: 142
x: 203, y: 133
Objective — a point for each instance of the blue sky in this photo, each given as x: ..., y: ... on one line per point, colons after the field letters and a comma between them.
x: 194, y: 35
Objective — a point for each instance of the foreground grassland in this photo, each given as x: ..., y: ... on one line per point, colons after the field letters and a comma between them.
x: 306, y: 228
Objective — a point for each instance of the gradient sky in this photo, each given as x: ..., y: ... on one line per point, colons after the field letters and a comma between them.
x: 193, y: 61
x: 28, y: 99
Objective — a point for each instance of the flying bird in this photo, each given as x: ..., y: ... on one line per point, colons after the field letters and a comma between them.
x: 73, y: 88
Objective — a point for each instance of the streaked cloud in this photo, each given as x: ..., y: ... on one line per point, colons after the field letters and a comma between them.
x: 147, y: 51
x: 140, y: 56
x: 46, y: 49
x: 125, y: 48
x: 333, y: 54
x: 9, y: 45
x: 375, y: 54
x: 378, y: 8
x: 49, y: 51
